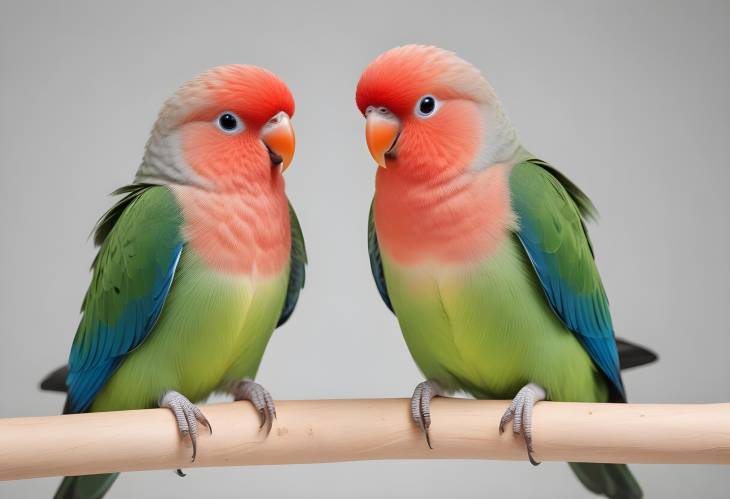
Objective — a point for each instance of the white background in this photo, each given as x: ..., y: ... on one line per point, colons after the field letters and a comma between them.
x: 629, y: 101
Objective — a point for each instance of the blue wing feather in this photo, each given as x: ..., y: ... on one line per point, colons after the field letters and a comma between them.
x: 88, y: 374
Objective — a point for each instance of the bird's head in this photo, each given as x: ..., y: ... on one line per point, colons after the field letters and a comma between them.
x: 429, y: 112
x: 226, y: 127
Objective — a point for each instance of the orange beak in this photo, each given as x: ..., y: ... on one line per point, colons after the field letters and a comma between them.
x: 381, y: 133
x: 278, y: 135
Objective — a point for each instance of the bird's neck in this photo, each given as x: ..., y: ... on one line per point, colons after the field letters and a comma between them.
x: 454, y: 219
x: 500, y: 143
x: 238, y: 231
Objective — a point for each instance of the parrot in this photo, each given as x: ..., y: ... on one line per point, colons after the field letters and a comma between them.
x: 199, y: 261
x: 481, y: 251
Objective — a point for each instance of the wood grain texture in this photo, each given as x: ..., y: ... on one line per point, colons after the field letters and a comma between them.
x: 319, y: 431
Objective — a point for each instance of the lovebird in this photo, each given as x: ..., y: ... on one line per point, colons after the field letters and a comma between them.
x: 481, y: 251
x: 198, y: 262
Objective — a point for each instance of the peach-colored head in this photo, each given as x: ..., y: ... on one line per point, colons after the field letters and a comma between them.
x: 224, y: 129
x: 430, y: 112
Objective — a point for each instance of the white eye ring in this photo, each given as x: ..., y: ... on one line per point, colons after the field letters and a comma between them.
x: 427, y: 106
x: 228, y: 122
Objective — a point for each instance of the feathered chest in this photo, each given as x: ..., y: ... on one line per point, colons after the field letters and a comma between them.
x: 457, y: 222
x: 238, y: 233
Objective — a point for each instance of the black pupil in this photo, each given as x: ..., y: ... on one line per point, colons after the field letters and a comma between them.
x: 228, y: 121
x: 427, y: 105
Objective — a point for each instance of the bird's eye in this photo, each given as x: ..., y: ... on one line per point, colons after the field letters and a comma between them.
x: 229, y: 122
x: 426, y: 106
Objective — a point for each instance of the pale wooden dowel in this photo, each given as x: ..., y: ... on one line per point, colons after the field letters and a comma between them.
x: 318, y: 431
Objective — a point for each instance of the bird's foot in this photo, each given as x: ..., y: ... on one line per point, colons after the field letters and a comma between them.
x: 187, y: 415
x: 520, y: 413
x: 260, y: 398
x: 421, y: 406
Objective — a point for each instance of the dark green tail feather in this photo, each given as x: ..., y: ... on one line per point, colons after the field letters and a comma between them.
x: 611, y: 480
x: 85, y: 486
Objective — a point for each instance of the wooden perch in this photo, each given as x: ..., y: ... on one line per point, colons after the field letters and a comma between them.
x: 320, y: 431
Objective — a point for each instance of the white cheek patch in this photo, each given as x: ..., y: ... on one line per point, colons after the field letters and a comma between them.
x: 500, y: 139
x: 163, y: 162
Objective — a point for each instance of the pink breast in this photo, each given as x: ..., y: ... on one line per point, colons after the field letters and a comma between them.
x: 452, y: 222
x: 238, y: 233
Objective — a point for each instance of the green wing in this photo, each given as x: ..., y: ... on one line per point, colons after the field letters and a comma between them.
x: 551, y: 229
x: 132, y: 274
x: 296, y: 268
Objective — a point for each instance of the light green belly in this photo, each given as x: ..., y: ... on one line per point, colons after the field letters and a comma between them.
x: 213, y: 330
x: 488, y: 329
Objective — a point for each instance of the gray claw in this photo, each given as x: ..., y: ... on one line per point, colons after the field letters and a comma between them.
x: 421, y: 406
x: 187, y: 415
x: 520, y: 412
x: 261, y: 399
